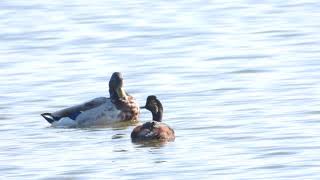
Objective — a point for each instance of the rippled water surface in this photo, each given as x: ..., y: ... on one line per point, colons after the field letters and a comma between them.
x: 239, y: 81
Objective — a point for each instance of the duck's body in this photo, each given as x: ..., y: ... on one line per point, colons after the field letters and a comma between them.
x: 99, y: 111
x: 155, y: 129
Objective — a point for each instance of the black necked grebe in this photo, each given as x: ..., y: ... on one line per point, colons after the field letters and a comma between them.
x: 155, y: 129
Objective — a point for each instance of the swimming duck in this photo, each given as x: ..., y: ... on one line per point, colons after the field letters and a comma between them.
x: 99, y: 111
x: 155, y: 129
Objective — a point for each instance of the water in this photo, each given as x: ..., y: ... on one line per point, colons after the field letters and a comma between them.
x: 239, y: 82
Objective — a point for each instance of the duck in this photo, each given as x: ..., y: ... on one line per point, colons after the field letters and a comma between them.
x: 155, y: 129
x: 100, y: 111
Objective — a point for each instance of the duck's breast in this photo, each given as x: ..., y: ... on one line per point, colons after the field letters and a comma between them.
x: 165, y: 132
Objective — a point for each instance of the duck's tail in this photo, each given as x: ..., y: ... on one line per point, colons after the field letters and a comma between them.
x: 48, y: 117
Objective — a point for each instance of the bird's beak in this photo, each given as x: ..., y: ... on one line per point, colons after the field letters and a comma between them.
x: 121, y: 93
x: 142, y: 107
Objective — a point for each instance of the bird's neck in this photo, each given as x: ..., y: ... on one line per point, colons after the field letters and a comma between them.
x: 157, y: 116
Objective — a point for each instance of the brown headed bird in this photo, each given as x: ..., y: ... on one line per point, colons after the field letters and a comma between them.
x: 155, y: 129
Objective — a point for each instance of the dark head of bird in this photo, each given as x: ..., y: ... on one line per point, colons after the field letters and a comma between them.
x: 116, y: 90
x: 155, y: 106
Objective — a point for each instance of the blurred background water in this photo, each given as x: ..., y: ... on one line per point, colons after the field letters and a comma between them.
x: 239, y: 81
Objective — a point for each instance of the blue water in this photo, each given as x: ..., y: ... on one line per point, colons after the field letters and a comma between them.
x: 239, y: 82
